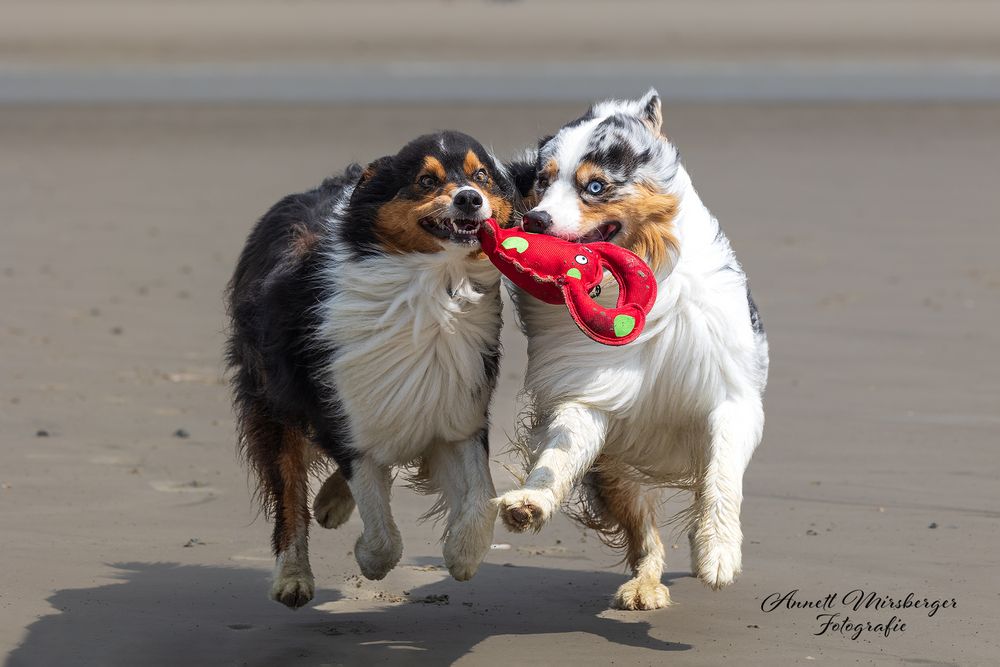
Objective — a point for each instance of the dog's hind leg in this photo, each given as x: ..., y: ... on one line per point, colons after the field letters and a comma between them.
x: 334, y: 503
x: 625, y: 515
x: 279, y: 456
x: 461, y: 471
x: 735, y: 429
x: 380, y: 545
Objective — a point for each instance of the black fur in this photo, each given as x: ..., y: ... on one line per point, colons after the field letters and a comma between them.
x: 396, y: 174
x: 523, y: 174
x: 755, y: 321
x: 272, y: 352
x: 272, y: 299
x: 484, y: 439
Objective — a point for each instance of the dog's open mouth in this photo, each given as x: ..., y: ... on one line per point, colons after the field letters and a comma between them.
x: 456, y: 230
x: 604, y: 232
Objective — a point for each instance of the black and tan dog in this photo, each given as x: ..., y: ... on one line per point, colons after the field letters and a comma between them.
x: 365, y: 327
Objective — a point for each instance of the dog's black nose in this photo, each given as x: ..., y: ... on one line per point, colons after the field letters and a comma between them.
x: 468, y: 200
x: 536, y: 222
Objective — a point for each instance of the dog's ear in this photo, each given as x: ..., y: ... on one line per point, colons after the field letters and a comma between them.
x: 650, y: 111
x: 373, y: 168
x: 522, y: 172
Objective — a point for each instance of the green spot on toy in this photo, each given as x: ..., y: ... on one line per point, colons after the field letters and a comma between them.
x: 516, y: 243
x: 557, y: 271
x: 624, y: 325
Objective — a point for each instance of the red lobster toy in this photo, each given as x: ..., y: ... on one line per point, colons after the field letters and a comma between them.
x: 557, y: 271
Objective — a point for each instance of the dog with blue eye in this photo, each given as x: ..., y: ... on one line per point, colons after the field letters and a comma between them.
x: 364, y: 334
x: 682, y: 405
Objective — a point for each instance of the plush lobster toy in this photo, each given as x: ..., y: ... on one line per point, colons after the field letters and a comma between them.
x: 557, y: 271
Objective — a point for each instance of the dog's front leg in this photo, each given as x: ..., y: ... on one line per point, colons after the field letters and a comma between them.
x: 380, y: 546
x: 461, y: 470
x: 566, y: 444
x: 716, y: 537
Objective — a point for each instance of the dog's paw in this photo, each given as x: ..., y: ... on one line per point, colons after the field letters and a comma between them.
x: 641, y: 594
x: 718, y: 564
x: 376, y: 561
x: 467, y: 544
x: 461, y: 569
x: 293, y: 590
x: 334, y: 512
x: 334, y: 503
x: 524, y: 509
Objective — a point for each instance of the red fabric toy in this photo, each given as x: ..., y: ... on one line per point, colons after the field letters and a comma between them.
x: 557, y: 271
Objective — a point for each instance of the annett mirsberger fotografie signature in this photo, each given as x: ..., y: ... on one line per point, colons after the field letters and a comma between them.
x: 833, y: 618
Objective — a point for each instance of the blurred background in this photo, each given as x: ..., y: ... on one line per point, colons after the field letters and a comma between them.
x: 351, y: 51
x: 851, y: 150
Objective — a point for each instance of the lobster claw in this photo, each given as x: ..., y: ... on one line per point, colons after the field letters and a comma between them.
x: 636, y: 282
x: 636, y: 295
x: 610, y: 326
x: 557, y: 271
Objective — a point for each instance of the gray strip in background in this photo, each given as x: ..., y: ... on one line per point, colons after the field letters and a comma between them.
x: 432, y: 82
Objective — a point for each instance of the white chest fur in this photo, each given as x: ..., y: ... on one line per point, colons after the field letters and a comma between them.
x: 698, y: 349
x: 410, y: 332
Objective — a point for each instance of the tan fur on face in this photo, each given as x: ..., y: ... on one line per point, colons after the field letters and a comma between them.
x: 650, y: 233
x: 471, y: 164
x: 587, y: 172
x: 398, y: 222
x: 646, y: 216
x: 549, y: 170
x: 434, y: 167
x: 498, y: 204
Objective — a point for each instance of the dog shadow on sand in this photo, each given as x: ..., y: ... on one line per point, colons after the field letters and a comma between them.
x: 170, y: 614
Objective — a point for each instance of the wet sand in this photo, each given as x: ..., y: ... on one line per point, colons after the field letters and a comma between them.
x: 869, y: 234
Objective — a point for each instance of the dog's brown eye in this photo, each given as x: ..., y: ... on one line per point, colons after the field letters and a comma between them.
x: 542, y: 183
x: 427, y: 181
x: 481, y: 176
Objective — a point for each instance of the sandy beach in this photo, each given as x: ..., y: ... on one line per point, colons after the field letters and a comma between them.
x: 869, y: 234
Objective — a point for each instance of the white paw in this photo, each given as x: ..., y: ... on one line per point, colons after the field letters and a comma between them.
x: 641, y: 594
x: 525, y: 508
x: 718, y: 564
x: 466, y: 545
x: 334, y: 503
x: 460, y: 567
x: 377, y: 559
x: 293, y: 590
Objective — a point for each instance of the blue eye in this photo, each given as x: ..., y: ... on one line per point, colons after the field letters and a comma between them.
x: 595, y: 187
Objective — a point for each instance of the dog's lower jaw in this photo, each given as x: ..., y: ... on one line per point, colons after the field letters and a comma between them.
x: 524, y: 509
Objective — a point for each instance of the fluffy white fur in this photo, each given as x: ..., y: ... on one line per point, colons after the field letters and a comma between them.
x: 681, y: 406
x: 409, y: 333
